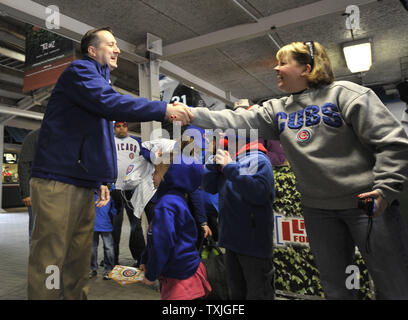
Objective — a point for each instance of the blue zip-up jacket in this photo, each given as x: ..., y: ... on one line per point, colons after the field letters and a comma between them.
x: 246, y: 194
x: 172, y: 234
x: 76, y: 141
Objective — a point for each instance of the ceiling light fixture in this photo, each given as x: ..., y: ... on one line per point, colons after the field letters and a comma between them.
x: 358, y: 55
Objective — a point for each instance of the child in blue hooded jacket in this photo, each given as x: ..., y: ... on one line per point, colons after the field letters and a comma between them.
x: 103, y: 229
x: 246, y: 194
x: 171, y: 254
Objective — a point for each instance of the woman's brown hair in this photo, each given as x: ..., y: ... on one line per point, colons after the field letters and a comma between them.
x: 313, y: 54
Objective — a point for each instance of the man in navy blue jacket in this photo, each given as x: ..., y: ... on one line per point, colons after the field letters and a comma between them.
x: 75, y: 154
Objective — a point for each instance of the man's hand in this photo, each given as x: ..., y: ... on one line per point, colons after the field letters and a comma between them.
x: 103, y: 196
x: 222, y: 157
x: 380, y: 202
x: 27, y: 201
x: 179, y: 112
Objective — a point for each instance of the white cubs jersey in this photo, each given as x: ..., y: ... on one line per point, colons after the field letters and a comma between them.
x: 126, y: 149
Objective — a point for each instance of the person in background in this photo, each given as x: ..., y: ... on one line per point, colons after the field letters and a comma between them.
x: 193, y: 145
x: 273, y: 148
x: 24, y: 167
x: 128, y: 149
x: 171, y: 254
x: 246, y: 191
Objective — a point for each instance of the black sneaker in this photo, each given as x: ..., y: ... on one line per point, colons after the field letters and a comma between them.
x: 92, y: 274
x: 106, y: 276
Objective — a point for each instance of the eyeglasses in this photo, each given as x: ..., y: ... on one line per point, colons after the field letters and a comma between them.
x: 310, y: 45
x: 121, y: 126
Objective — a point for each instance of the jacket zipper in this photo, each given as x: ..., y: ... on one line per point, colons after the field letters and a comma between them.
x: 80, y: 154
x: 113, y: 150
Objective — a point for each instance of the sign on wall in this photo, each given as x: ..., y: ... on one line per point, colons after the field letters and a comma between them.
x: 290, y: 231
x: 47, y: 56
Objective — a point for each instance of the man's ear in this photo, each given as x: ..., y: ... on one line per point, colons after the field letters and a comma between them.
x: 92, y: 51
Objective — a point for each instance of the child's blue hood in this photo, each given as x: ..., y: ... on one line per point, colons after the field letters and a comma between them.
x: 184, y: 175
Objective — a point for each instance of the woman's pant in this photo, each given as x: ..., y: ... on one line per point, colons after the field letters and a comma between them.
x: 333, y: 235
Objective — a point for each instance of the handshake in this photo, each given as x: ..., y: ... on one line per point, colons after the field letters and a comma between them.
x: 179, y: 112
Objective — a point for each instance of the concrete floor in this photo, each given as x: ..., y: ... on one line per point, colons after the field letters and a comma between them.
x: 14, y: 259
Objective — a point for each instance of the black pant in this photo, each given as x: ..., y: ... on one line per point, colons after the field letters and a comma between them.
x: 149, y: 210
x: 136, y: 239
x: 249, y: 278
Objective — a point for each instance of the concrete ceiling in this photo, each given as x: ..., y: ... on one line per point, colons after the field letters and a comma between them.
x: 210, y: 39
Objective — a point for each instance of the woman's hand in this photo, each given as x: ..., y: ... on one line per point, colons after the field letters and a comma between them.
x: 380, y: 203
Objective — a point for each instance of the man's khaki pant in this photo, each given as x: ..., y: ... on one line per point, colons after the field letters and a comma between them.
x: 61, y: 244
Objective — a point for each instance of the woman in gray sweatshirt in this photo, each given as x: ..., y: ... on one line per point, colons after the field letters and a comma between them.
x: 343, y: 144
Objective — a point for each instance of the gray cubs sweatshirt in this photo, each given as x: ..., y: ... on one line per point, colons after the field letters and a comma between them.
x: 340, y: 141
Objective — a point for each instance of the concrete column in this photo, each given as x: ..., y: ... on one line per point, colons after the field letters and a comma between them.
x: 1, y: 165
x: 150, y: 89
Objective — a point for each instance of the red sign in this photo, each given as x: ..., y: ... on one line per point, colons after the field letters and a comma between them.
x: 45, y: 75
x: 290, y: 231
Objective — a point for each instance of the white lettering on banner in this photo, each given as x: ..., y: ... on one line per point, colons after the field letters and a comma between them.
x: 48, y: 45
x: 290, y: 230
